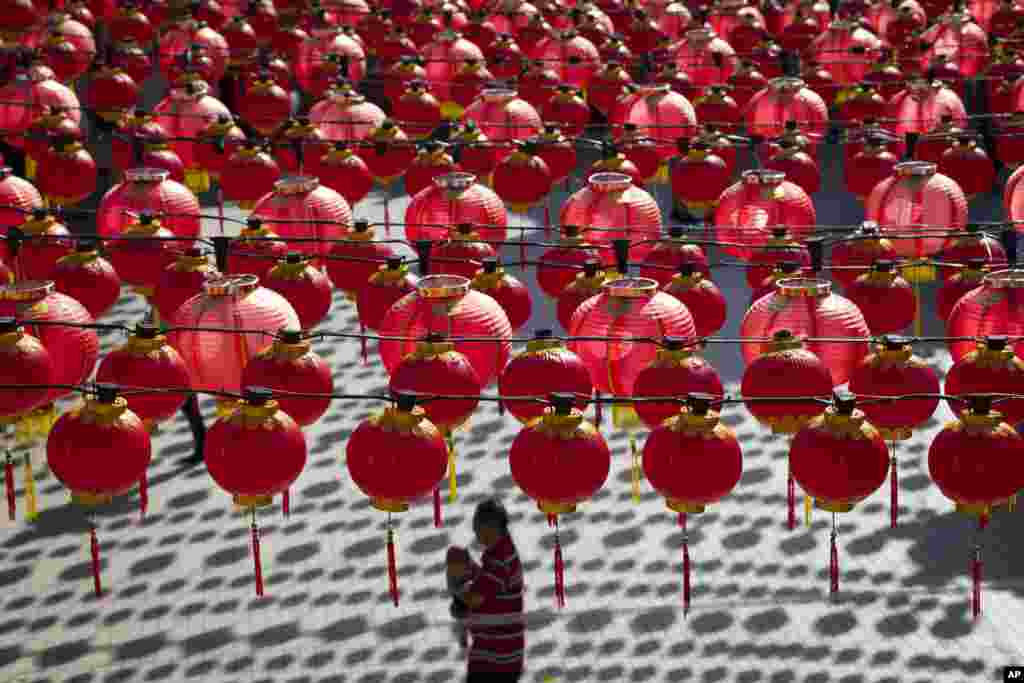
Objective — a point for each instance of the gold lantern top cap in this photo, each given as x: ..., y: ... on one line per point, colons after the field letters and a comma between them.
x: 499, y: 94
x: 27, y: 290
x: 146, y: 175
x: 1011, y: 278
x: 610, y: 182
x: 631, y: 287
x: 443, y: 286
x: 916, y: 168
x: 455, y: 182
x: 653, y: 89
x: 763, y: 176
x: 801, y: 286
x: 296, y: 184
x: 234, y: 285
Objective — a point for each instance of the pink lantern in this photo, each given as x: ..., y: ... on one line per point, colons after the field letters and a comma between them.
x: 31, y: 93
x: 445, y: 58
x: 921, y: 106
x: 148, y: 190
x: 328, y: 40
x: 761, y: 201
x: 611, y: 207
x: 574, y: 58
x: 453, y: 199
x: 787, y: 99
x: 808, y: 308
x: 324, y: 213
x: 993, y: 309
x: 658, y: 113
x: 345, y: 115
x: 185, y: 113
x: 706, y: 58
x: 503, y: 117
x: 848, y: 50
x: 216, y: 359
x: 957, y: 38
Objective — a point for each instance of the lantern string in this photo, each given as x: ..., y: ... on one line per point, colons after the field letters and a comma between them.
x: 976, y: 578
x: 12, y: 500
x: 31, y: 500
x: 256, y: 559
x: 833, y: 562
x: 686, y: 565
x: 286, y: 503
x: 636, y: 472
x: 894, y: 488
x: 143, y: 494
x: 438, y: 523
x: 392, y: 563
x: 790, y: 494
x: 559, y: 570
x: 94, y: 551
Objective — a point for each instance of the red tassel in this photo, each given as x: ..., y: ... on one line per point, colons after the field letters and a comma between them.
x: 791, y: 500
x: 551, y: 520
x: 833, y: 569
x: 12, y: 499
x: 437, y: 507
x: 362, y: 341
x: 143, y: 495
x: 976, y: 580
x: 686, y: 576
x: 286, y: 503
x: 387, y: 215
x: 894, y: 491
x: 257, y: 563
x: 597, y: 407
x: 559, y: 571
x: 392, y: 567
x: 983, y: 521
x: 94, y: 549
x: 682, y: 521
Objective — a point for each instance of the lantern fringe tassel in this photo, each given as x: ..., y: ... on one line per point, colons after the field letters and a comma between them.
x: 976, y: 583
x: 387, y: 215
x: 791, y: 500
x: 597, y: 408
x: 559, y: 570
x: 686, y: 564
x: 257, y: 562
x: 143, y: 495
x: 636, y: 471
x: 31, y: 501
x: 392, y: 565
x: 453, y: 487
x: 808, y: 506
x: 12, y: 499
x: 833, y: 568
x: 286, y: 503
x: 94, y: 552
x: 894, y: 490
x: 362, y: 342
x: 437, y: 508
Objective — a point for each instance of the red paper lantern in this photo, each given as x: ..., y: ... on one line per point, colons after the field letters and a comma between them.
x: 397, y: 456
x: 968, y: 164
x: 584, y: 286
x: 973, y: 245
x: 99, y: 450
x: 545, y: 367
x: 144, y: 250
x: 715, y: 104
x: 975, y: 460
x: 479, y: 156
x: 386, y: 287
x: 307, y: 289
x: 417, y: 111
x: 626, y: 309
x: 913, y: 200
x: 290, y: 365
x: 991, y: 309
x: 705, y: 57
x: 24, y: 361
x: 218, y: 142
x: 19, y: 195
x: 779, y: 249
x: 136, y: 129
x: 659, y: 113
x: 561, y: 459
x: 799, y: 166
x: 886, y: 300
x: 699, y: 178
x: 746, y: 82
x: 574, y: 58
x: 32, y: 93
x: 786, y: 356
x: 558, y: 152
x: 611, y: 207
x: 147, y: 361
x: 644, y: 153
x: 568, y: 110
x: 431, y: 161
x: 445, y: 57
x: 1010, y: 139
x: 192, y: 34
x: 932, y: 145
x: 250, y: 174
x: 90, y: 279
x: 503, y: 117
x: 676, y: 371
x: 454, y: 199
x: 523, y: 179
x: 991, y: 368
x: 234, y: 302
x: 558, y: 266
x: 957, y: 285
x: 148, y: 190
x: 390, y: 154
x: 294, y: 142
x: 255, y: 251
x: 301, y: 198
x: 869, y: 167
x: 787, y: 99
x: 45, y: 243
x: 920, y: 106
x: 346, y: 115
x: 467, y: 84
x: 862, y: 248
x: 894, y: 370
x: 808, y: 308
x: 185, y: 113
x: 957, y: 38
x: 266, y: 105
x: 462, y: 254
x: 607, y: 86
x: 182, y: 280
x: 68, y: 175
x: 861, y: 103
x: 848, y: 49
x: 702, y: 298
x: 614, y: 161
x: 112, y: 92
x: 327, y: 40
x: 366, y: 255
x: 839, y: 458
x: 445, y: 303
x: 341, y: 170
x: 760, y: 201
x: 506, y: 59
x: 436, y: 368
x: 511, y: 294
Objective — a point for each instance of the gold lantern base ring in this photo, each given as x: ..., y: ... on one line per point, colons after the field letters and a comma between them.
x: 247, y: 502
x: 683, y: 506
x: 389, y: 504
x: 975, y: 509
x: 834, y: 505
x: 549, y: 507
x: 90, y: 499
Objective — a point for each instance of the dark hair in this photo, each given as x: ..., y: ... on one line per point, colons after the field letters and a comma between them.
x: 491, y: 513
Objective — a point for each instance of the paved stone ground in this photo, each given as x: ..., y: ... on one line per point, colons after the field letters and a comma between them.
x: 181, y: 605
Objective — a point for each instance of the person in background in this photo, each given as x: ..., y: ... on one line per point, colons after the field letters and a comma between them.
x: 488, y: 599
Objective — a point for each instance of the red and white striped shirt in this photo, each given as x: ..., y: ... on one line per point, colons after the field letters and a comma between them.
x: 497, y: 625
